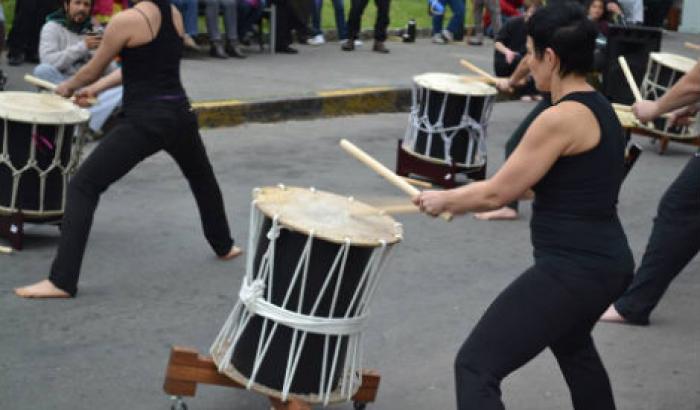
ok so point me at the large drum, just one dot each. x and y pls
(448, 120)
(41, 145)
(663, 71)
(313, 267)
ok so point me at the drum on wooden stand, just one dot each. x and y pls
(313, 266)
(663, 71)
(41, 140)
(447, 129)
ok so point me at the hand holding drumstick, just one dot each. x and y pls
(84, 98)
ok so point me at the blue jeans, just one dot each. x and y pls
(456, 24)
(188, 8)
(107, 101)
(339, 10)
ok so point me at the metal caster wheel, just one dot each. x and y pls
(178, 403)
(359, 405)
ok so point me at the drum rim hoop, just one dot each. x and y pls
(488, 91)
(300, 228)
(14, 112)
(671, 60)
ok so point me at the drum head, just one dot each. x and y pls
(331, 217)
(453, 84)
(673, 61)
(40, 108)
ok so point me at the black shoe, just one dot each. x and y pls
(348, 45)
(217, 50)
(379, 47)
(287, 50)
(15, 58)
(233, 50)
(32, 58)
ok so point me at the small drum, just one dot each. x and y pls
(312, 269)
(448, 120)
(663, 71)
(41, 145)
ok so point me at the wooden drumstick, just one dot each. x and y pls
(383, 171)
(6, 249)
(50, 86)
(630, 78)
(488, 77)
(628, 108)
(692, 46)
(417, 182)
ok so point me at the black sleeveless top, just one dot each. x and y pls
(151, 71)
(575, 222)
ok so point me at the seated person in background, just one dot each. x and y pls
(510, 45)
(598, 15)
(66, 43)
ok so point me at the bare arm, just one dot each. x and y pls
(501, 47)
(545, 141)
(683, 93)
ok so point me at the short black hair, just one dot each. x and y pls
(566, 29)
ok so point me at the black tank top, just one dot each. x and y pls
(575, 209)
(151, 71)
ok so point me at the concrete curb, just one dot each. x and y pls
(335, 103)
(226, 113)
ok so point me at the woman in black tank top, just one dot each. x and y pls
(572, 156)
(156, 116)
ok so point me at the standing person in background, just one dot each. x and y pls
(380, 24)
(495, 9)
(292, 15)
(23, 41)
(341, 28)
(454, 27)
(190, 14)
(218, 48)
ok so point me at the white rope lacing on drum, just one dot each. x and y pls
(55, 148)
(255, 298)
(419, 120)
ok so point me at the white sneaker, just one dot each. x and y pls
(447, 35)
(358, 43)
(317, 40)
(438, 39)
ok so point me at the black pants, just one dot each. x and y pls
(30, 16)
(380, 24)
(540, 309)
(674, 241)
(519, 132)
(141, 133)
(291, 15)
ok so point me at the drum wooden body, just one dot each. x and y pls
(314, 265)
(663, 71)
(448, 120)
(40, 147)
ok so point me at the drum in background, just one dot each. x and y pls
(663, 71)
(448, 120)
(312, 269)
(40, 148)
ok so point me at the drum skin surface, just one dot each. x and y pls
(331, 217)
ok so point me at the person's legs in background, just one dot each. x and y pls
(230, 8)
(357, 7)
(316, 33)
(380, 26)
(211, 11)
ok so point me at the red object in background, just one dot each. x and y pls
(509, 8)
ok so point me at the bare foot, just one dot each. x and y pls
(501, 214)
(235, 251)
(43, 289)
(612, 316)
(292, 404)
